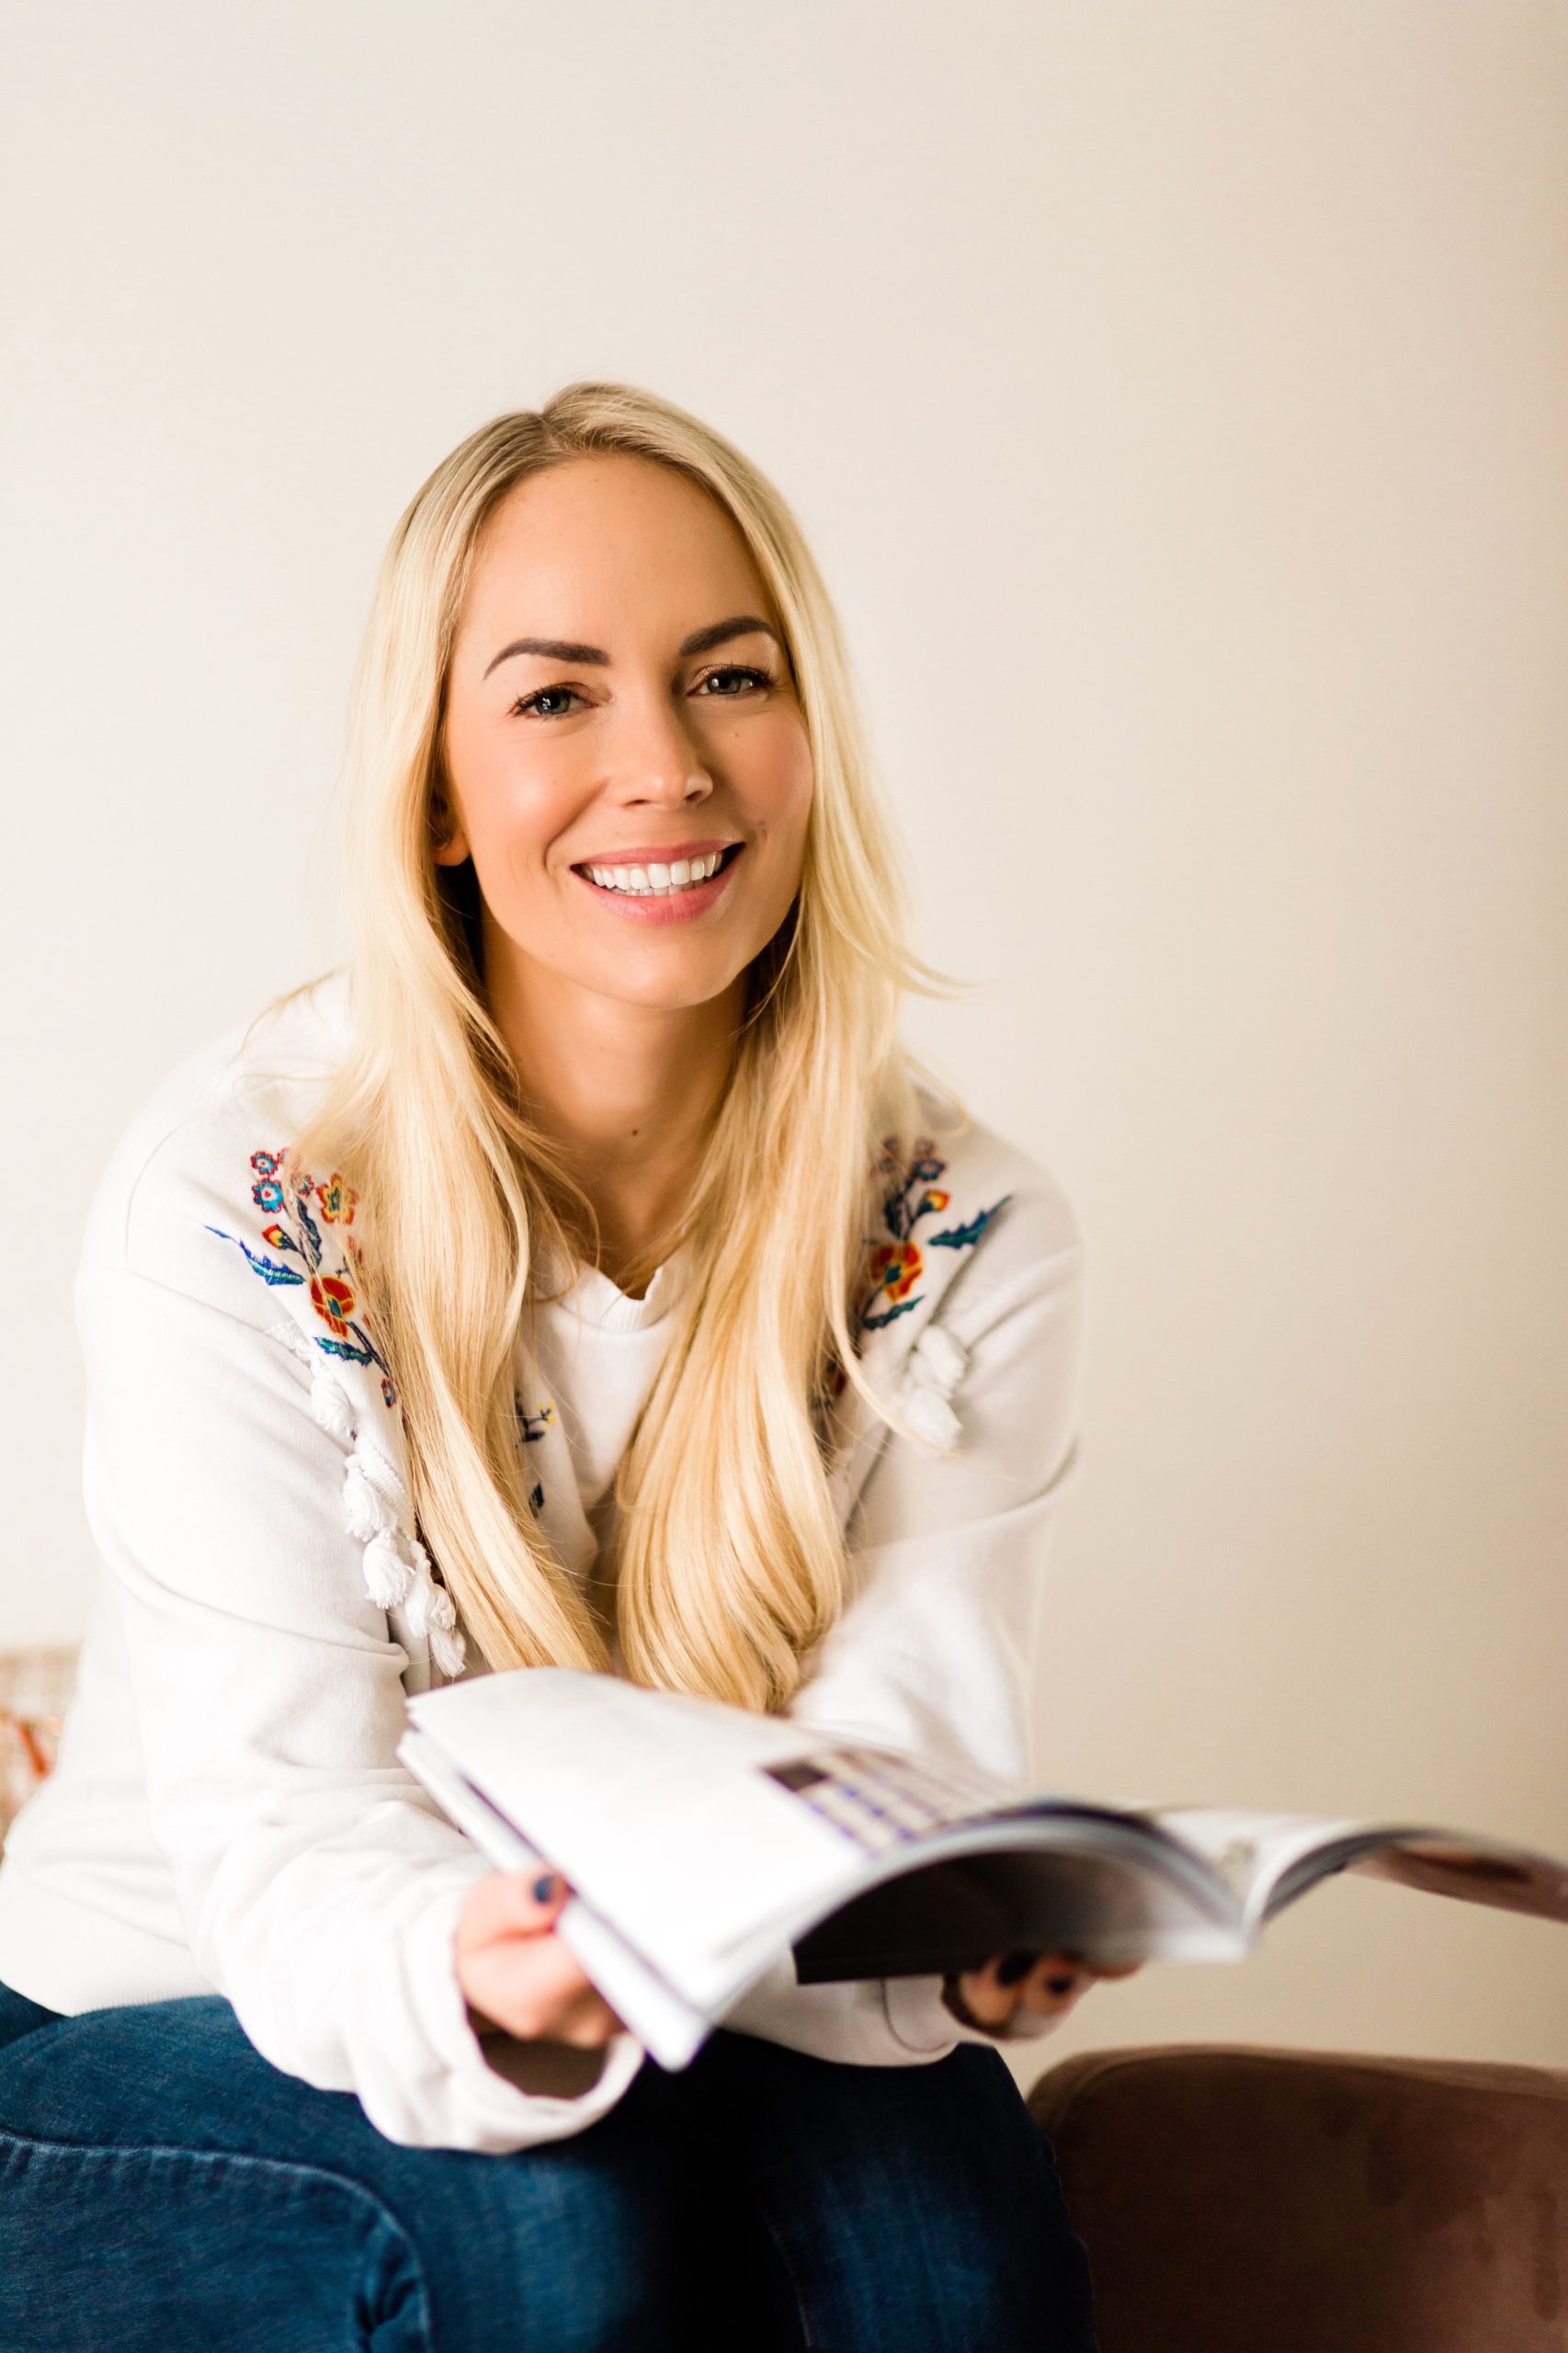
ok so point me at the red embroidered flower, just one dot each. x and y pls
(336, 1200)
(334, 1301)
(894, 1267)
(933, 1200)
(276, 1235)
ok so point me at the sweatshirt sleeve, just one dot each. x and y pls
(935, 1653)
(319, 1886)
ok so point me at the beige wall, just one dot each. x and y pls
(1175, 395)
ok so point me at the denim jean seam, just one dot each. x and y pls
(275, 2169)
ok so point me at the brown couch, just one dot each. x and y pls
(1292, 2202)
(1241, 2202)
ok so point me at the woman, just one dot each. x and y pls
(587, 1276)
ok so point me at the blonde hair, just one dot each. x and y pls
(728, 1560)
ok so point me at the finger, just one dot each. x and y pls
(509, 1903)
(989, 2001)
(544, 1987)
(1053, 1984)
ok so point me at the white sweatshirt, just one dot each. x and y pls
(228, 1813)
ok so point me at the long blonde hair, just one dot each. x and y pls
(728, 1560)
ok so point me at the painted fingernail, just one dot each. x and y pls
(545, 1887)
(1060, 1985)
(1014, 1965)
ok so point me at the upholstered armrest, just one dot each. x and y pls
(1243, 2201)
(34, 1688)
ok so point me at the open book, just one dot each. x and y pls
(701, 1841)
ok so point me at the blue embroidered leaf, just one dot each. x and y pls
(959, 1237)
(344, 1349)
(313, 1231)
(875, 1323)
(268, 1268)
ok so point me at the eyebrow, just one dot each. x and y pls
(701, 641)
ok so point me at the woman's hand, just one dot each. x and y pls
(517, 1975)
(1015, 1986)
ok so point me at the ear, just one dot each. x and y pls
(448, 843)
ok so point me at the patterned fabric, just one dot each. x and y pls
(896, 1264)
(34, 1688)
(303, 1256)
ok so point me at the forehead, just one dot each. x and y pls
(607, 539)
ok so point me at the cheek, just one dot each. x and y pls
(779, 778)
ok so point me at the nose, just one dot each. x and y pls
(660, 762)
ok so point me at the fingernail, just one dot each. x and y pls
(1014, 1965)
(545, 1887)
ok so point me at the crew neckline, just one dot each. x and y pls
(597, 1299)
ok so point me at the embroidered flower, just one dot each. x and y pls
(269, 1194)
(894, 1267)
(265, 1162)
(335, 1200)
(334, 1301)
(276, 1237)
(389, 1395)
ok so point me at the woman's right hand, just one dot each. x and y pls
(517, 1975)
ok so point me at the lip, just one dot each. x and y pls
(676, 906)
(665, 853)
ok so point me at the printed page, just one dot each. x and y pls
(1270, 1859)
(1254, 1854)
(692, 1827)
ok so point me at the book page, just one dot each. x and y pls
(692, 1826)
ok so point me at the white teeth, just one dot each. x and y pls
(656, 881)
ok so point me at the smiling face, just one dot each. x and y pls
(618, 698)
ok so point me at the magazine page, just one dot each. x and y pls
(1257, 1855)
(1270, 1859)
(661, 2019)
(699, 1832)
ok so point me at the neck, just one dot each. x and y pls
(627, 1093)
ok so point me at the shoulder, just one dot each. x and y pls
(967, 1213)
(196, 1163)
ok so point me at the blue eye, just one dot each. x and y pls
(529, 705)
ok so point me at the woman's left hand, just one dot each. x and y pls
(1015, 1989)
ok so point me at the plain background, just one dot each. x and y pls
(1175, 398)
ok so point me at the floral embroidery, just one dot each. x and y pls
(335, 1200)
(300, 1257)
(893, 1267)
(533, 1428)
(334, 1301)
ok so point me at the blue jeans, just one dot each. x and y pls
(165, 2190)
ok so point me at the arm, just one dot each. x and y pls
(935, 1653)
(319, 1887)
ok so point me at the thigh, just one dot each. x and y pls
(19, 2015)
(911, 2208)
(162, 2186)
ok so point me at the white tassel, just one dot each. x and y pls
(449, 1651)
(936, 1361)
(329, 1403)
(941, 1357)
(387, 1573)
(930, 1416)
(362, 1512)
